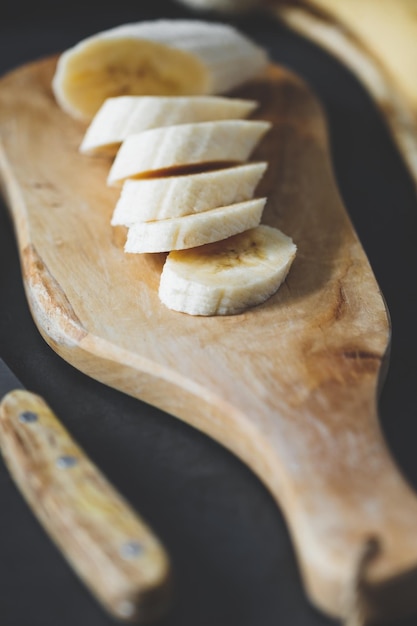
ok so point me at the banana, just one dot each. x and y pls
(228, 276)
(160, 57)
(386, 30)
(377, 41)
(122, 116)
(198, 229)
(175, 196)
(166, 150)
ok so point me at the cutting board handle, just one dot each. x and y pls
(350, 511)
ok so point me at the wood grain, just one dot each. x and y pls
(110, 547)
(290, 386)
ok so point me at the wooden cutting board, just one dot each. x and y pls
(290, 386)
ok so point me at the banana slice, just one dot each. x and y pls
(161, 57)
(194, 230)
(175, 196)
(122, 116)
(158, 150)
(228, 276)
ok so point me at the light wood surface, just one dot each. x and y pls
(110, 547)
(290, 386)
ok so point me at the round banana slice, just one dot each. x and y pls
(151, 199)
(122, 116)
(160, 57)
(229, 276)
(159, 150)
(194, 230)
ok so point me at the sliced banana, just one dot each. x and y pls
(160, 57)
(228, 276)
(158, 150)
(122, 116)
(175, 196)
(194, 230)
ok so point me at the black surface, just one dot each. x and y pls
(233, 561)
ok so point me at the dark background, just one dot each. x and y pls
(232, 557)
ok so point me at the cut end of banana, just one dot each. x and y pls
(161, 57)
(102, 68)
(229, 276)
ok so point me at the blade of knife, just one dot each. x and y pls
(106, 542)
(8, 380)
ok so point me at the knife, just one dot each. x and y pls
(113, 551)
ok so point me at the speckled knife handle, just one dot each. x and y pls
(112, 550)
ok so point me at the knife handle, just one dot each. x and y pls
(111, 549)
